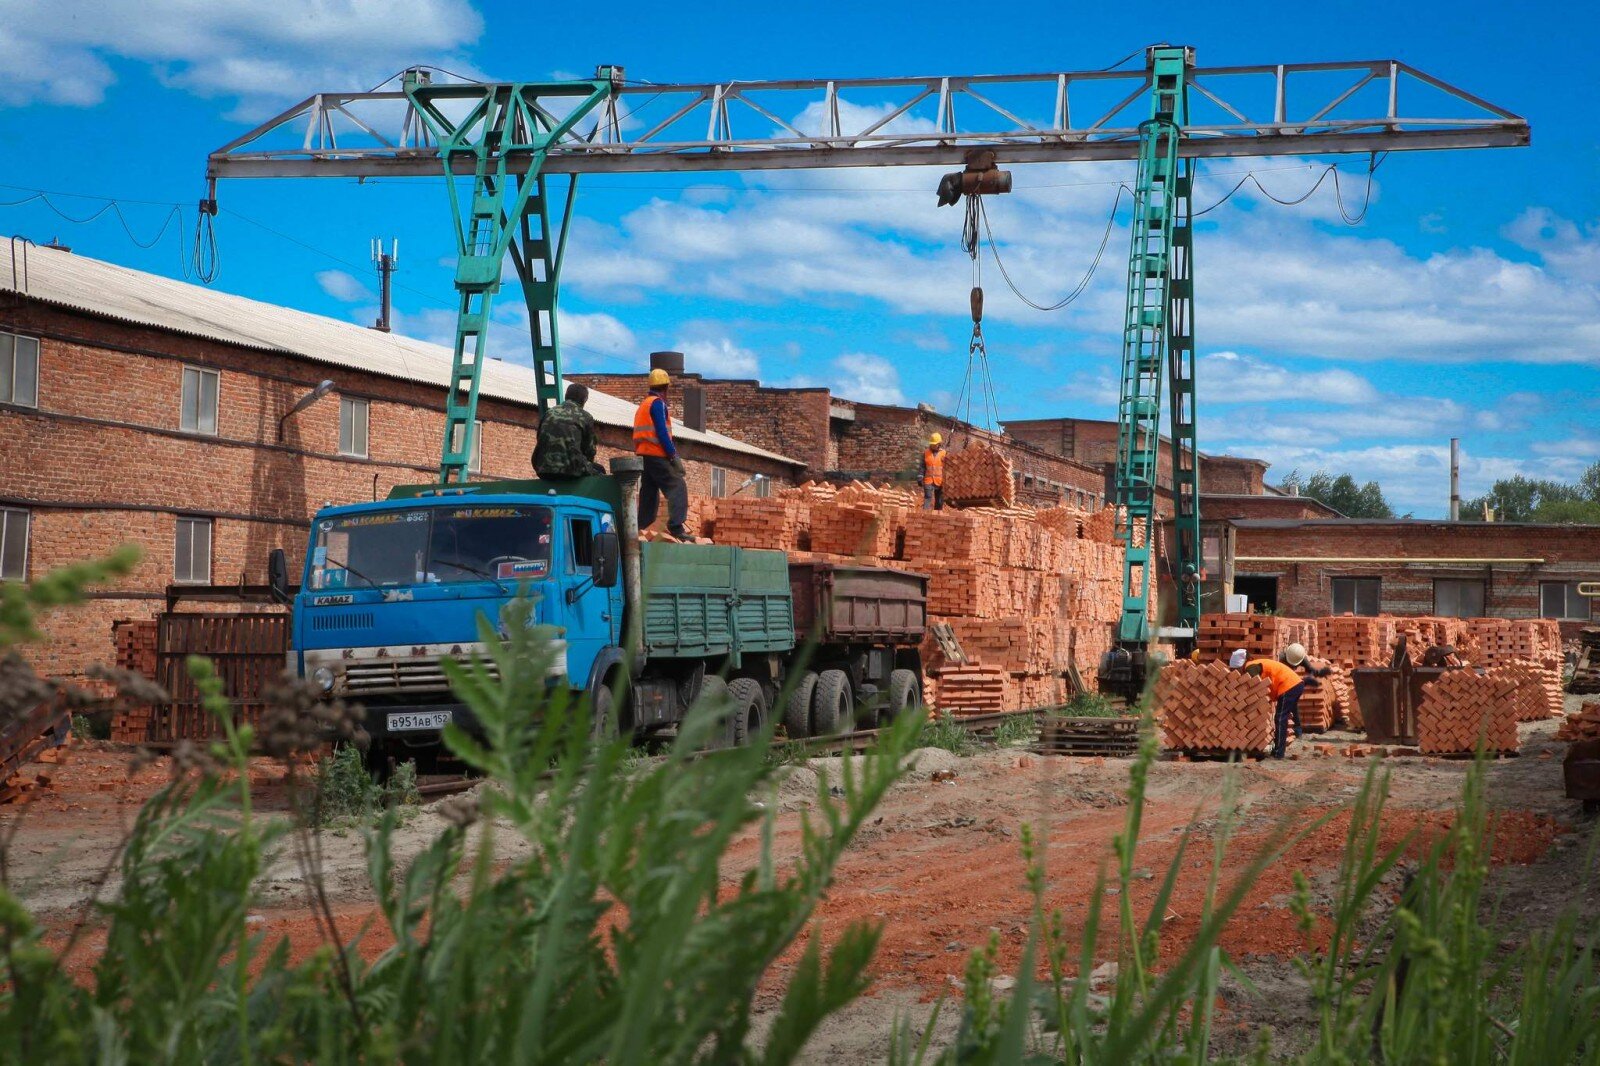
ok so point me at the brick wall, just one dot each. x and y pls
(1094, 441)
(1288, 552)
(1227, 507)
(102, 460)
(1232, 474)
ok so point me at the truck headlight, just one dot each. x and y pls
(323, 677)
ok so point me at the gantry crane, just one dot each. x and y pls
(509, 138)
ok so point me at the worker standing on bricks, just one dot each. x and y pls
(933, 474)
(1285, 685)
(663, 466)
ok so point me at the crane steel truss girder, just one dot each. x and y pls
(1300, 108)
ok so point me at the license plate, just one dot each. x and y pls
(412, 721)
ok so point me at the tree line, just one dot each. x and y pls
(1515, 499)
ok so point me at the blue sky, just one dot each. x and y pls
(1467, 302)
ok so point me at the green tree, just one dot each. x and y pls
(1525, 499)
(1341, 493)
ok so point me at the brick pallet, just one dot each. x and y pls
(1116, 738)
(979, 474)
(1207, 708)
(1351, 641)
(1464, 706)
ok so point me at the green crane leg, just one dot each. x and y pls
(1186, 545)
(502, 124)
(1147, 333)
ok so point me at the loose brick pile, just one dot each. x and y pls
(1463, 706)
(1582, 724)
(1207, 708)
(979, 475)
(135, 643)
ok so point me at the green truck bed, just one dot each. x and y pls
(709, 600)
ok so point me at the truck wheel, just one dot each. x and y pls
(714, 694)
(797, 712)
(832, 708)
(749, 709)
(605, 709)
(904, 695)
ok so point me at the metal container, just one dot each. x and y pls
(839, 603)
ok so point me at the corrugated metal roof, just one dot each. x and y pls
(101, 288)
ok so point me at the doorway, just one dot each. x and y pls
(1260, 589)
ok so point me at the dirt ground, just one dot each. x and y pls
(940, 866)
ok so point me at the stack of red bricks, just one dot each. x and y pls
(1464, 707)
(1301, 631)
(1205, 708)
(135, 643)
(1538, 695)
(973, 688)
(756, 522)
(861, 520)
(1582, 724)
(1323, 707)
(1222, 634)
(979, 475)
(1351, 641)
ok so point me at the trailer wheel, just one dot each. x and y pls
(714, 693)
(797, 712)
(832, 707)
(749, 709)
(904, 694)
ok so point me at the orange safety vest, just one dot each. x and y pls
(645, 441)
(1280, 678)
(933, 467)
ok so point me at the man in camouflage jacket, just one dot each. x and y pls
(566, 445)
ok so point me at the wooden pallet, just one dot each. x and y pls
(1114, 737)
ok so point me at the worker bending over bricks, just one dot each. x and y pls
(1286, 686)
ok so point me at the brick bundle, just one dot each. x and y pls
(1221, 634)
(1538, 694)
(1463, 707)
(1301, 631)
(1352, 641)
(135, 643)
(1207, 708)
(861, 520)
(979, 475)
(1582, 724)
(973, 689)
(1323, 707)
(756, 522)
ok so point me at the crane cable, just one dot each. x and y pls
(978, 376)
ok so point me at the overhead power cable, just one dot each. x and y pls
(1088, 275)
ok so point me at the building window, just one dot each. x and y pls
(199, 413)
(1559, 599)
(475, 460)
(763, 486)
(352, 427)
(13, 544)
(1454, 598)
(719, 482)
(1356, 595)
(19, 370)
(191, 563)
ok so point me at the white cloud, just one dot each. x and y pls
(1228, 377)
(717, 356)
(56, 53)
(1415, 478)
(598, 334)
(346, 288)
(868, 378)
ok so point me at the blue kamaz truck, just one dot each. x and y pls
(391, 587)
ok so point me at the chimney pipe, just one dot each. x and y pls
(1455, 479)
(385, 262)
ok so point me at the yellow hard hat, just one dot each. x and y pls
(659, 377)
(936, 439)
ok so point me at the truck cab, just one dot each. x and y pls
(390, 588)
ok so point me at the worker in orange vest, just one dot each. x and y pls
(663, 466)
(933, 474)
(1285, 685)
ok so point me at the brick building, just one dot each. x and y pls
(840, 439)
(1408, 567)
(139, 408)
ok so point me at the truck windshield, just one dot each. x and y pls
(430, 546)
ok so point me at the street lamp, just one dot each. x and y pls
(303, 402)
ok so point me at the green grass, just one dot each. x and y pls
(1092, 705)
(942, 731)
(1016, 729)
(344, 793)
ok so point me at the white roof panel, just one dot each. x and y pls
(102, 288)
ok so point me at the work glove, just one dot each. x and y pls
(678, 467)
